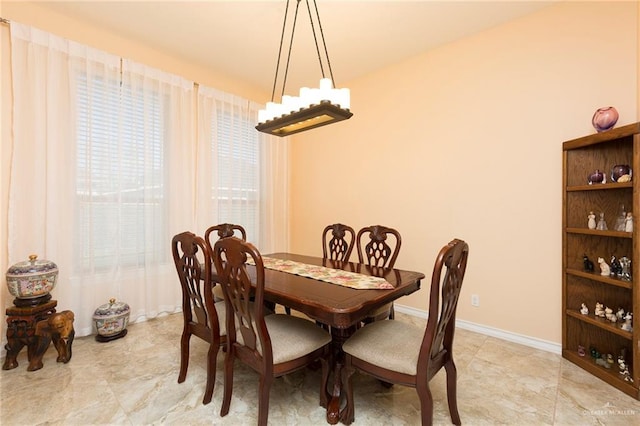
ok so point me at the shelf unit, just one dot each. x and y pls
(580, 158)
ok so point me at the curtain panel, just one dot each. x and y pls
(242, 174)
(101, 157)
(110, 158)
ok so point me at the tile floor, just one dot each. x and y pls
(133, 381)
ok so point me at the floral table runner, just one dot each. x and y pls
(329, 275)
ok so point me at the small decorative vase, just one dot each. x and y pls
(111, 320)
(596, 177)
(604, 118)
(31, 281)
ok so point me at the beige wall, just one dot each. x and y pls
(465, 141)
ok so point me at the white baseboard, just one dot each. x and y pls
(509, 336)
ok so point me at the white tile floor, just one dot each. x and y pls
(133, 381)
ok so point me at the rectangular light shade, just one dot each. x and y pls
(305, 119)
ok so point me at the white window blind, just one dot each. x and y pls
(235, 152)
(120, 174)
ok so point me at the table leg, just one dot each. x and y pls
(339, 336)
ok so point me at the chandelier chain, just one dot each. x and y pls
(284, 26)
(324, 43)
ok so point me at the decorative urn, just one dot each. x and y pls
(111, 320)
(604, 118)
(31, 281)
(621, 173)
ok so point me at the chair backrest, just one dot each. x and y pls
(443, 301)
(376, 251)
(224, 230)
(245, 300)
(338, 245)
(197, 284)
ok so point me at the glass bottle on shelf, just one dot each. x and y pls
(602, 224)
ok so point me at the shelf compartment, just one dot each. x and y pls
(611, 376)
(579, 204)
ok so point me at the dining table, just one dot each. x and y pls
(341, 307)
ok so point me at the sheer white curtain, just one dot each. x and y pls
(242, 174)
(101, 173)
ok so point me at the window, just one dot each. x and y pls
(236, 190)
(120, 175)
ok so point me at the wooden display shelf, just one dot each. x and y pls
(594, 276)
(612, 327)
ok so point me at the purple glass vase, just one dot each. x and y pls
(604, 118)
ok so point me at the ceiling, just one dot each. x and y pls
(241, 38)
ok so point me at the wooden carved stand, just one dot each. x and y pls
(21, 327)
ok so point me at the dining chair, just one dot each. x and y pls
(272, 345)
(376, 250)
(222, 230)
(406, 354)
(203, 317)
(337, 242)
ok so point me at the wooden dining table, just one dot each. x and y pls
(340, 308)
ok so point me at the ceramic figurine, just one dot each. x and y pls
(624, 369)
(626, 268)
(610, 360)
(608, 313)
(599, 311)
(620, 314)
(622, 215)
(584, 310)
(604, 268)
(602, 224)
(615, 267)
(588, 264)
(581, 350)
(591, 221)
(628, 222)
(627, 322)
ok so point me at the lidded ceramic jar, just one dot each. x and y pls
(111, 319)
(32, 278)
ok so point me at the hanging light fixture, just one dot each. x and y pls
(314, 107)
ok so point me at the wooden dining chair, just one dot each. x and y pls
(223, 230)
(272, 345)
(376, 250)
(203, 317)
(338, 241)
(406, 354)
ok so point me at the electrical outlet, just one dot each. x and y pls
(475, 300)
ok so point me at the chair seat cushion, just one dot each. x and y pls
(393, 345)
(222, 317)
(384, 309)
(293, 337)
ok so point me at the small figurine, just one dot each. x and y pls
(628, 222)
(610, 360)
(599, 311)
(581, 351)
(620, 219)
(626, 268)
(602, 224)
(608, 313)
(620, 314)
(584, 310)
(591, 221)
(616, 267)
(627, 322)
(624, 369)
(604, 268)
(588, 264)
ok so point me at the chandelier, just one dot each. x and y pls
(313, 107)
